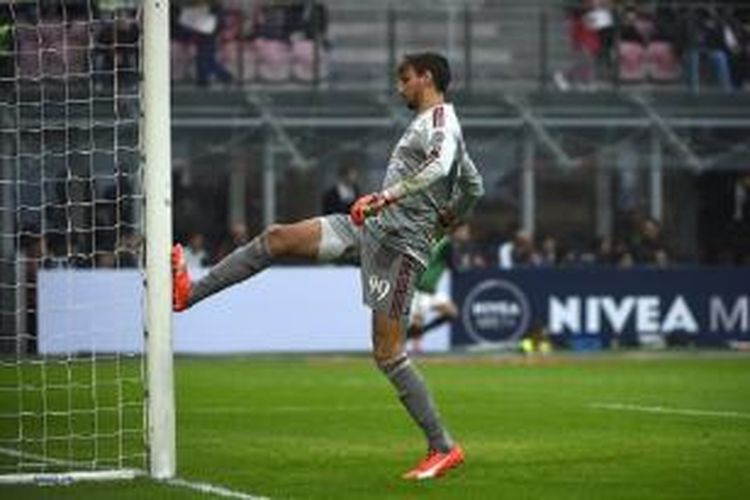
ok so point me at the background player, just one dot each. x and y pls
(430, 183)
(427, 299)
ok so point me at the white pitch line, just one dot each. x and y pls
(212, 489)
(670, 411)
(219, 410)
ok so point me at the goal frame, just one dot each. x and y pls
(156, 143)
(158, 190)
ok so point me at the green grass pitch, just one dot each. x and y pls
(331, 427)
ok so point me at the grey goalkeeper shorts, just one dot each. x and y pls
(388, 275)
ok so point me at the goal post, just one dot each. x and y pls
(86, 360)
(157, 152)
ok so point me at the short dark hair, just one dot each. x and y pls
(435, 63)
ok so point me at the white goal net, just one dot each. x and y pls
(72, 242)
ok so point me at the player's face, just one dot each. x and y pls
(410, 86)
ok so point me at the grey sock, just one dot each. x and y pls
(241, 264)
(416, 398)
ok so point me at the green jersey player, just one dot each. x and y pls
(428, 299)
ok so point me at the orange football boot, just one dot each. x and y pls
(180, 280)
(436, 463)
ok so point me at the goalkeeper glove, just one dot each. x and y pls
(367, 206)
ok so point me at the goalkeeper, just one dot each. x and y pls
(430, 183)
(427, 299)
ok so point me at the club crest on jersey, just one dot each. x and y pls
(379, 287)
(438, 117)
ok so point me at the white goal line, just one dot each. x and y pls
(61, 478)
(669, 411)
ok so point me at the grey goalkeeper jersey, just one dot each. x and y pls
(429, 171)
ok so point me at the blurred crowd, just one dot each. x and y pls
(75, 39)
(658, 41)
(641, 243)
(266, 40)
(211, 40)
(637, 239)
(234, 41)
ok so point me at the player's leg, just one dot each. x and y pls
(414, 331)
(443, 454)
(320, 238)
(445, 311)
(391, 358)
(388, 279)
(300, 240)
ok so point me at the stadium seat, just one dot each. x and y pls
(631, 58)
(273, 59)
(182, 55)
(249, 65)
(229, 43)
(239, 58)
(661, 62)
(303, 60)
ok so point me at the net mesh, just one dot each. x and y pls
(71, 367)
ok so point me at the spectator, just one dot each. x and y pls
(202, 20)
(516, 252)
(600, 18)
(714, 38)
(631, 50)
(740, 57)
(585, 44)
(634, 28)
(648, 247)
(741, 219)
(665, 49)
(196, 256)
(308, 27)
(741, 212)
(548, 254)
(339, 197)
(28, 43)
(272, 39)
(182, 49)
(233, 51)
(604, 253)
(238, 236)
(467, 254)
(118, 50)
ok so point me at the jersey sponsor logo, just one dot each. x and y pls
(379, 287)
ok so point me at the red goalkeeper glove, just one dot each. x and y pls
(367, 206)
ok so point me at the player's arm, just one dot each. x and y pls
(469, 189)
(441, 147)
